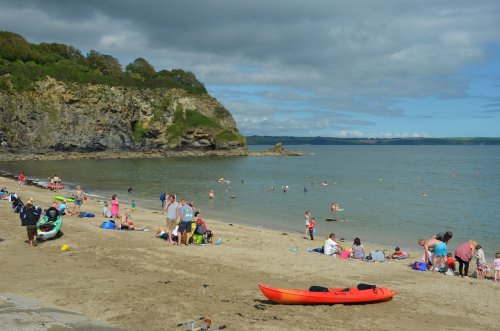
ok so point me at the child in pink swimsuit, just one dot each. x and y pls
(115, 207)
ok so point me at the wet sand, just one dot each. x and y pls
(134, 281)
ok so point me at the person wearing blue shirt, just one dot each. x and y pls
(186, 216)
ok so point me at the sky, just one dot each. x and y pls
(358, 68)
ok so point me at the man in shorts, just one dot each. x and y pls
(171, 209)
(439, 254)
(186, 215)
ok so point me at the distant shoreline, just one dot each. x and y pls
(290, 140)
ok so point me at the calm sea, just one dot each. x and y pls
(380, 188)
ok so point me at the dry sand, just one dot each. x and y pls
(134, 281)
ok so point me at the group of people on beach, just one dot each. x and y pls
(126, 222)
(438, 258)
(436, 254)
(183, 223)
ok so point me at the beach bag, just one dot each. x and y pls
(198, 239)
(344, 255)
(420, 266)
(200, 229)
(377, 256)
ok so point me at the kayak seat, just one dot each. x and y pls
(318, 289)
(362, 287)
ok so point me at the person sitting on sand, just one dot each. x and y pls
(63, 208)
(127, 224)
(440, 252)
(399, 254)
(357, 250)
(105, 211)
(331, 247)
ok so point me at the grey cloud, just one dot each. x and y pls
(358, 58)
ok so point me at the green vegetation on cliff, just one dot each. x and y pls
(26, 63)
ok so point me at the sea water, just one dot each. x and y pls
(392, 195)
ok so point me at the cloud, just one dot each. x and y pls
(356, 58)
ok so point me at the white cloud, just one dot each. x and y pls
(334, 58)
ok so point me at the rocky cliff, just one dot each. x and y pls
(65, 116)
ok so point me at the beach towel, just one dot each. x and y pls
(375, 256)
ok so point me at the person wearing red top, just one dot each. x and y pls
(312, 223)
(464, 254)
(450, 262)
(22, 180)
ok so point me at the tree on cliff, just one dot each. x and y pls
(107, 64)
(141, 67)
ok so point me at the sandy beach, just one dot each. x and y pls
(134, 281)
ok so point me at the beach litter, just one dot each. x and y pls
(64, 247)
(206, 324)
(218, 241)
(294, 249)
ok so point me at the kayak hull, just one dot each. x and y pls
(45, 235)
(333, 296)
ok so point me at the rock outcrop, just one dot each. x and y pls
(70, 117)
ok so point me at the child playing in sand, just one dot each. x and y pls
(496, 267)
(105, 211)
(482, 267)
(450, 263)
(399, 254)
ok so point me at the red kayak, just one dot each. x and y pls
(320, 295)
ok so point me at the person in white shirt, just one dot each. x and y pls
(331, 247)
